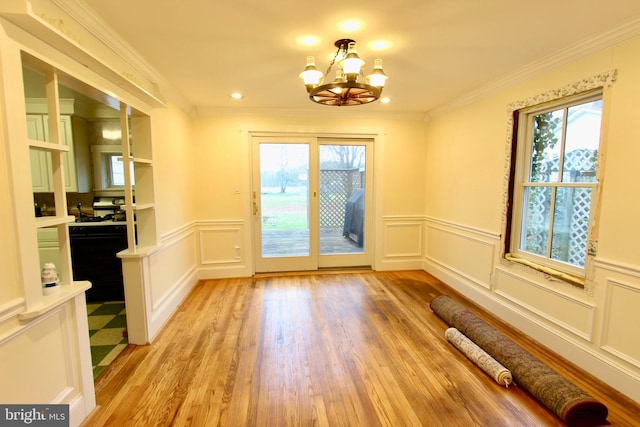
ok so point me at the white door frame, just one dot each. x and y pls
(373, 196)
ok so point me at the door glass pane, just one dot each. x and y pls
(284, 199)
(342, 184)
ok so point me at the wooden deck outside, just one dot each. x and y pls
(296, 242)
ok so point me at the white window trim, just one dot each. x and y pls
(102, 170)
(523, 164)
(603, 82)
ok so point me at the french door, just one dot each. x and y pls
(311, 202)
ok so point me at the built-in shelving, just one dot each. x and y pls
(137, 207)
(50, 302)
(142, 161)
(142, 211)
(50, 221)
(48, 146)
(138, 160)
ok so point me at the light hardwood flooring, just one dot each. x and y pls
(332, 349)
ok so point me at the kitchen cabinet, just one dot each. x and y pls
(41, 166)
(48, 246)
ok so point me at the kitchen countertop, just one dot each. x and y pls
(96, 224)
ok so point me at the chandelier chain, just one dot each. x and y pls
(333, 61)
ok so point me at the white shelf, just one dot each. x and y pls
(50, 221)
(49, 302)
(141, 161)
(138, 160)
(139, 252)
(138, 206)
(48, 146)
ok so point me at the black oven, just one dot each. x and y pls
(93, 256)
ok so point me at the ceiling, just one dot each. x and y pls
(438, 50)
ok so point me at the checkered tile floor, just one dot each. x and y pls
(107, 326)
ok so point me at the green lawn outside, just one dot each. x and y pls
(284, 211)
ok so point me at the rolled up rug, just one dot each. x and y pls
(481, 358)
(569, 402)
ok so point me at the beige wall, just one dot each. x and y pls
(223, 162)
(620, 210)
(173, 157)
(465, 164)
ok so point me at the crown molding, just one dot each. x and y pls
(91, 22)
(589, 46)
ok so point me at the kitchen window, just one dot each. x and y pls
(554, 184)
(109, 173)
(116, 170)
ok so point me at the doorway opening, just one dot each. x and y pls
(84, 245)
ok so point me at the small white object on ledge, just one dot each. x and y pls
(50, 279)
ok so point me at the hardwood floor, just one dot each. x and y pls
(333, 349)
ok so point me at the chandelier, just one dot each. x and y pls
(350, 87)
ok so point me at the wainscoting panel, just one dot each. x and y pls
(223, 249)
(622, 317)
(462, 251)
(37, 360)
(564, 311)
(173, 272)
(171, 265)
(220, 245)
(401, 243)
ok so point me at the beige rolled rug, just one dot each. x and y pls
(481, 358)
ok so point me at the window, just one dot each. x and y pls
(554, 183)
(116, 170)
(109, 167)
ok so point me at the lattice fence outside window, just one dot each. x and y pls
(571, 209)
(336, 186)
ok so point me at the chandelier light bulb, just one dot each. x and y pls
(377, 77)
(352, 62)
(311, 75)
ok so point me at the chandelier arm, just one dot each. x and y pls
(333, 61)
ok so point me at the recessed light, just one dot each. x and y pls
(385, 100)
(379, 45)
(236, 95)
(350, 25)
(308, 40)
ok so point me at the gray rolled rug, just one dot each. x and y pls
(570, 403)
(481, 358)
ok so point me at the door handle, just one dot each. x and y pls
(255, 204)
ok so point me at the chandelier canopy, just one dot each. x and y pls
(349, 87)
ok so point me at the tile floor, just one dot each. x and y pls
(107, 325)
